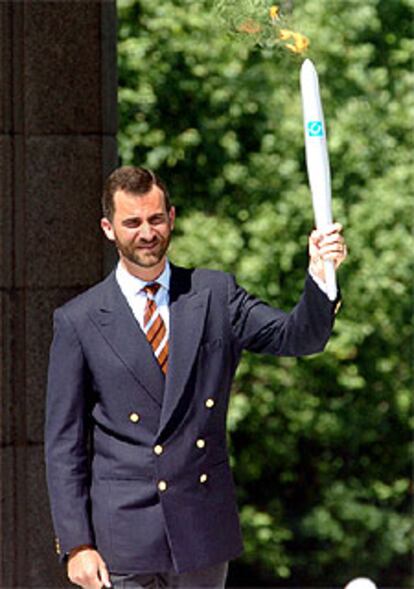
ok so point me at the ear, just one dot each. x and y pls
(171, 215)
(107, 228)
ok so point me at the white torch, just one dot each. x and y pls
(317, 159)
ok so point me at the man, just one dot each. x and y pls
(143, 363)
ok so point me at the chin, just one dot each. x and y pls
(149, 262)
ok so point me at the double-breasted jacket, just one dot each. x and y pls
(137, 464)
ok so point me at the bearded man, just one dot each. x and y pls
(140, 372)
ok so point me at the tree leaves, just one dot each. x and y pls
(322, 446)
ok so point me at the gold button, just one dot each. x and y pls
(210, 403)
(200, 443)
(337, 307)
(203, 478)
(158, 449)
(134, 417)
(162, 486)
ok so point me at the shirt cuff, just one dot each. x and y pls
(320, 283)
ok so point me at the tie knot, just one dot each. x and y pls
(152, 289)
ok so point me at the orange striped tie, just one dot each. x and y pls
(154, 327)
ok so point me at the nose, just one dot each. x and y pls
(146, 231)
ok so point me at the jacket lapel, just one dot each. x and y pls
(117, 324)
(187, 317)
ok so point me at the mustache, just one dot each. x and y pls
(146, 242)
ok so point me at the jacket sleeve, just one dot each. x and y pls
(260, 328)
(66, 435)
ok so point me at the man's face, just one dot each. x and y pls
(141, 227)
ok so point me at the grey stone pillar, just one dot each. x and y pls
(57, 143)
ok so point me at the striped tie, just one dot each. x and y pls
(154, 327)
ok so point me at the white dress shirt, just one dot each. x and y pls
(321, 284)
(131, 287)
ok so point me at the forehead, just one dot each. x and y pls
(128, 204)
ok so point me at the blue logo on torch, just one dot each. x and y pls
(315, 129)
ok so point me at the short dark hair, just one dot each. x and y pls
(131, 179)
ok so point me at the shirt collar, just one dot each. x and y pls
(131, 284)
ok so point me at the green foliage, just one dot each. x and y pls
(321, 446)
(251, 21)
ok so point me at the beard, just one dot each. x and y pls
(139, 255)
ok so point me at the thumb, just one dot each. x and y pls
(316, 235)
(104, 574)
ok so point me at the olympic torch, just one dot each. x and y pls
(317, 159)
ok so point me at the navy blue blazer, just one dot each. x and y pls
(137, 465)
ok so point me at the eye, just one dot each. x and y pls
(157, 219)
(131, 223)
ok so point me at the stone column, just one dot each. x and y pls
(57, 143)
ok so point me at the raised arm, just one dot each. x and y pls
(304, 330)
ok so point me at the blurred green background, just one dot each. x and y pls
(321, 446)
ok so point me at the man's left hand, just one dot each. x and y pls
(324, 245)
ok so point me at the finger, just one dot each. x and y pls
(88, 578)
(327, 234)
(332, 228)
(95, 583)
(333, 241)
(104, 575)
(332, 256)
(335, 246)
(315, 236)
(332, 238)
(336, 256)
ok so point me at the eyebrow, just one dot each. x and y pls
(135, 219)
(130, 219)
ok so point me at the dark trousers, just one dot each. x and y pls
(213, 577)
